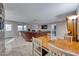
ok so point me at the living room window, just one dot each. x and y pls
(22, 27)
(8, 27)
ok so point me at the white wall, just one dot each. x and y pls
(14, 31)
(77, 11)
(2, 40)
(61, 29)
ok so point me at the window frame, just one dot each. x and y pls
(8, 27)
(23, 28)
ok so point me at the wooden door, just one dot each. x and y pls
(70, 27)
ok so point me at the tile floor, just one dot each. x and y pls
(18, 47)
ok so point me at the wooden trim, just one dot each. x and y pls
(76, 29)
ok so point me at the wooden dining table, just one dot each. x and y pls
(64, 44)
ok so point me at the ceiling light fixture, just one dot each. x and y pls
(73, 17)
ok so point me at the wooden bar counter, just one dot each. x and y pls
(65, 45)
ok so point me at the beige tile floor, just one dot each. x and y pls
(18, 47)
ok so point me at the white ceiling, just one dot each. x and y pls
(40, 13)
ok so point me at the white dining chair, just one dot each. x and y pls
(67, 37)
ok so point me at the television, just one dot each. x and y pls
(44, 26)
